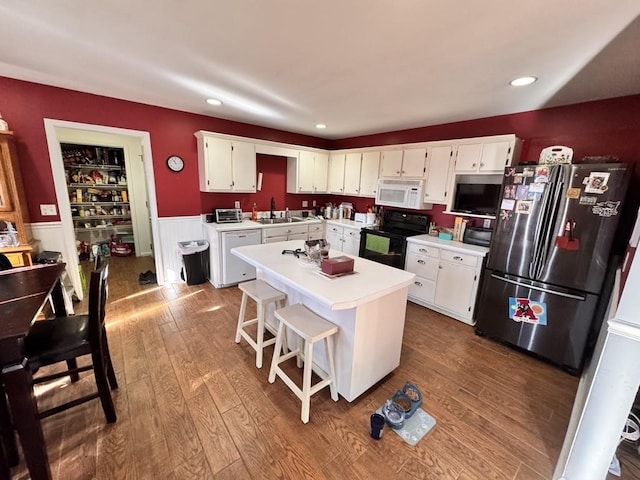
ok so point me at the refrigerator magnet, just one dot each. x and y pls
(509, 192)
(534, 196)
(507, 204)
(587, 200)
(606, 209)
(506, 214)
(510, 172)
(521, 192)
(542, 175)
(573, 193)
(597, 182)
(517, 178)
(524, 207)
(528, 311)
(536, 187)
(527, 172)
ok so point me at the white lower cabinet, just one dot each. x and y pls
(343, 238)
(446, 278)
(316, 231)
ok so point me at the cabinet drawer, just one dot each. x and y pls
(351, 232)
(316, 229)
(427, 250)
(459, 258)
(297, 229)
(423, 266)
(423, 289)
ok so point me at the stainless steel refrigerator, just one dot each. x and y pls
(549, 256)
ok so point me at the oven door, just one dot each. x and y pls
(383, 247)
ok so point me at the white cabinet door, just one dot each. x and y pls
(351, 241)
(468, 157)
(423, 266)
(423, 289)
(413, 161)
(438, 169)
(495, 156)
(336, 173)
(305, 172)
(316, 231)
(320, 172)
(219, 171)
(455, 287)
(369, 173)
(391, 163)
(244, 167)
(334, 237)
(352, 174)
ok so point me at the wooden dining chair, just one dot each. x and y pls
(62, 339)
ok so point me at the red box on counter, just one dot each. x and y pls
(337, 265)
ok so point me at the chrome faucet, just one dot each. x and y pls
(273, 208)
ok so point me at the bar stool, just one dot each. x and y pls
(312, 329)
(263, 294)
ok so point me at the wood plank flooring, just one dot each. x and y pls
(192, 405)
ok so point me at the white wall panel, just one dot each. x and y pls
(173, 230)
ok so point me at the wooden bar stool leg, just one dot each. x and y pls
(243, 309)
(333, 387)
(306, 381)
(276, 353)
(260, 334)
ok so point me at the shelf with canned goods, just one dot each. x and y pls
(92, 166)
(103, 204)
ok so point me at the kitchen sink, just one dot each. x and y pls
(272, 221)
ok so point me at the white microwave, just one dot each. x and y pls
(401, 194)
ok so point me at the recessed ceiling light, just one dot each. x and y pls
(522, 81)
(321, 125)
(213, 101)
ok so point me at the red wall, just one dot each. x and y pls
(607, 127)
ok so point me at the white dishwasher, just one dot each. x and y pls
(235, 270)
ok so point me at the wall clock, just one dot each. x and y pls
(175, 163)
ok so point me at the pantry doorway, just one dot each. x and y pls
(136, 149)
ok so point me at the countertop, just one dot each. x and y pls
(249, 224)
(449, 245)
(371, 280)
(348, 223)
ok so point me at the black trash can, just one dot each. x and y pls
(195, 261)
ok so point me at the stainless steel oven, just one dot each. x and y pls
(388, 243)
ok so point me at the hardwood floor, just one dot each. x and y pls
(191, 403)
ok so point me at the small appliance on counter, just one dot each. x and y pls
(228, 215)
(477, 236)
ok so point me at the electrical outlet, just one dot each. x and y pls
(48, 210)
(237, 204)
(305, 204)
(486, 223)
(314, 203)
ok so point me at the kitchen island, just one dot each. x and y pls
(368, 306)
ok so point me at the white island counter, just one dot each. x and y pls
(369, 307)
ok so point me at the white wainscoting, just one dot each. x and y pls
(172, 231)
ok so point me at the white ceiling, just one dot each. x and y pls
(360, 66)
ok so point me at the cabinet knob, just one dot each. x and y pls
(403, 171)
(440, 267)
(422, 250)
(458, 258)
(482, 164)
(417, 284)
(473, 164)
(421, 261)
(398, 171)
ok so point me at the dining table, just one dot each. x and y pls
(23, 294)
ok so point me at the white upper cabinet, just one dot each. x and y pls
(487, 155)
(352, 167)
(391, 163)
(403, 163)
(439, 170)
(336, 173)
(226, 165)
(413, 162)
(308, 173)
(369, 173)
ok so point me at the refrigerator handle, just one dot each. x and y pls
(541, 226)
(549, 236)
(539, 289)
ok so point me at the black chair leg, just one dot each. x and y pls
(8, 446)
(71, 364)
(5, 473)
(100, 373)
(111, 373)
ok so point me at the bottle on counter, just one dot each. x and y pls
(287, 213)
(254, 212)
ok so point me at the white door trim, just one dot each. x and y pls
(62, 194)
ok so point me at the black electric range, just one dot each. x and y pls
(388, 243)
